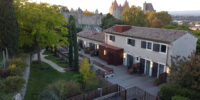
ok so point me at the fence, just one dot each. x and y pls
(97, 93)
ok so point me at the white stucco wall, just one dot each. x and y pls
(137, 51)
(185, 45)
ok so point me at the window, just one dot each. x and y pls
(143, 44)
(149, 45)
(131, 42)
(156, 47)
(161, 67)
(163, 48)
(112, 38)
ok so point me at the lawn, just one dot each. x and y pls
(58, 61)
(39, 79)
(47, 52)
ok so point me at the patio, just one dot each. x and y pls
(126, 80)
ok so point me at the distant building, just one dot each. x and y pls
(82, 19)
(116, 10)
(148, 7)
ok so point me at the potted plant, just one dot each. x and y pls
(92, 53)
(156, 82)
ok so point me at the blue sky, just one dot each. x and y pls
(104, 5)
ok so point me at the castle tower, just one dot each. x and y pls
(116, 9)
(148, 7)
(125, 5)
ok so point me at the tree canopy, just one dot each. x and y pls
(9, 32)
(135, 16)
(186, 72)
(40, 25)
(86, 12)
(109, 21)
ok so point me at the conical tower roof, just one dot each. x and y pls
(125, 5)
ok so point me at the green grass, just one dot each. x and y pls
(39, 79)
(55, 59)
(46, 52)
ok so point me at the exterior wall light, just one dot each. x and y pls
(167, 69)
(124, 55)
(97, 46)
(104, 52)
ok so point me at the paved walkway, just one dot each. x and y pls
(126, 80)
(52, 64)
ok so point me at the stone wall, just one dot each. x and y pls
(82, 19)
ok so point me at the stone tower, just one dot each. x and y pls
(148, 7)
(116, 10)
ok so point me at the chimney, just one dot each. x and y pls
(121, 28)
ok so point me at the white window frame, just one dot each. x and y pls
(151, 45)
(159, 63)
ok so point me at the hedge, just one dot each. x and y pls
(168, 91)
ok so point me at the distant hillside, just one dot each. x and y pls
(185, 13)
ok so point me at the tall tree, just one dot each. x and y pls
(135, 16)
(9, 30)
(164, 17)
(73, 48)
(156, 23)
(186, 72)
(109, 21)
(41, 25)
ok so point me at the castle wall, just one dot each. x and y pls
(84, 19)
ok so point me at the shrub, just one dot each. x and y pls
(4, 96)
(179, 98)
(73, 88)
(19, 63)
(168, 91)
(4, 73)
(15, 71)
(65, 89)
(13, 84)
(48, 95)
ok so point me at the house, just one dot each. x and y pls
(151, 48)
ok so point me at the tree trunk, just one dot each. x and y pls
(38, 53)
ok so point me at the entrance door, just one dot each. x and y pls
(155, 69)
(129, 61)
(142, 65)
(147, 67)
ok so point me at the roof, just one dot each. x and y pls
(96, 36)
(148, 7)
(154, 34)
(111, 47)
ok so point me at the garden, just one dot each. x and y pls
(45, 83)
(11, 80)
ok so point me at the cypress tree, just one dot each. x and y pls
(70, 27)
(9, 30)
(73, 47)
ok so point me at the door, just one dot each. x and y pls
(147, 67)
(142, 65)
(154, 69)
(129, 61)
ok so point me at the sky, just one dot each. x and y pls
(104, 5)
